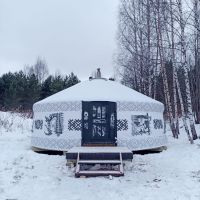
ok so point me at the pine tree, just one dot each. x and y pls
(46, 88)
(70, 80)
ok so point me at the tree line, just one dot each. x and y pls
(159, 56)
(20, 90)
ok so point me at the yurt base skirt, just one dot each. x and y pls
(66, 144)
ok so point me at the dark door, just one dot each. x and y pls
(99, 123)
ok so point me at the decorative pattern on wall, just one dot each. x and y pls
(158, 123)
(58, 106)
(54, 124)
(74, 124)
(38, 124)
(139, 106)
(140, 124)
(122, 125)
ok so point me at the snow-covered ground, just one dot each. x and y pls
(173, 174)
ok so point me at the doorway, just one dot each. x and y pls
(99, 123)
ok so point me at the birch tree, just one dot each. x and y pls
(196, 94)
(174, 63)
(163, 69)
(186, 70)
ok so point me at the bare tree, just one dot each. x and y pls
(40, 69)
(160, 30)
(196, 73)
(186, 69)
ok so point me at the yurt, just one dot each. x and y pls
(98, 112)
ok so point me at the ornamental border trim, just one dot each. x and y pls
(122, 106)
(58, 106)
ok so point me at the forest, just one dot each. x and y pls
(20, 90)
(159, 56)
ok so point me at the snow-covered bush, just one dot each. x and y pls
(12, 122)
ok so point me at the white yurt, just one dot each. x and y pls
(98, 112)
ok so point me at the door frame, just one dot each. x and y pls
(114, 135)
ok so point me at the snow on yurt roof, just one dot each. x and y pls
(98, 90)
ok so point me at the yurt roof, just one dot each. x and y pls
(98, 90)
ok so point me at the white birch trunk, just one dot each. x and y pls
(184, 117)
(175, 77)
(149, 48)
(197, 59)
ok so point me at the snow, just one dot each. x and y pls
(92, 91)
(173, 174)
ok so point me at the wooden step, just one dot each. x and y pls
(99, 173)
(99, 161)
(101, 153)
(111, 156)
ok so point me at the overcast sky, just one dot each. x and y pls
(72, 35)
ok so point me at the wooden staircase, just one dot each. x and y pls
(99, 161)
